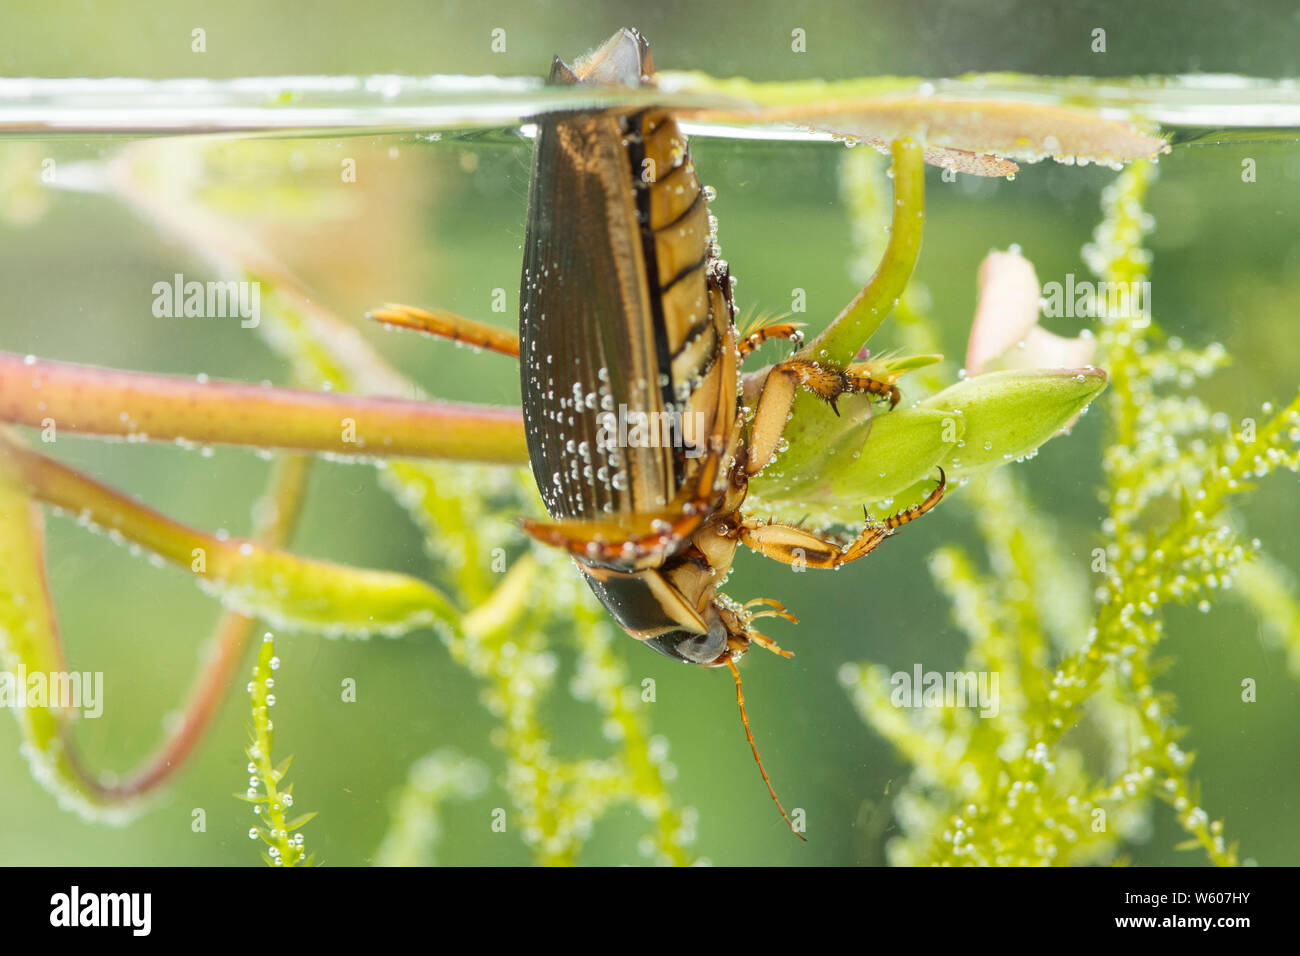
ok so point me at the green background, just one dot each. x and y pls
(442, 224)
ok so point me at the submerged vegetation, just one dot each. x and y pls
(1065, 772)
(270, 796)
(1029, 786)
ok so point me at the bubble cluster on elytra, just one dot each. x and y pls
(593, 474)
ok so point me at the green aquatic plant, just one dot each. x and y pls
(496, 610)
(1024, 785)
(433, 779)
(502, 618)
(267, 791)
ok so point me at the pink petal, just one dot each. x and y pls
(1007, 309)
(1042, 349)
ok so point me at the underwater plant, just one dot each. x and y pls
(1016, 787)
(280, 833)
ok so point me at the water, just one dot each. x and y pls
(434, 217)
(1191, 106)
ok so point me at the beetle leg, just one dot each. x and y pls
(829, 381)
(859, 375)
(449, 326)
(623, 544)
(778, 610)
(779, 330)
(824, 379)
(765, 642)
(800, 548)
(639, 540)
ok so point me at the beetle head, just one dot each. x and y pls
(724, 641)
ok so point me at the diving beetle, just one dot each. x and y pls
(627, 310)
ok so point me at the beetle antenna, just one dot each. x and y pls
(740, 699)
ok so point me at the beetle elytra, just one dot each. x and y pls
(627, 310)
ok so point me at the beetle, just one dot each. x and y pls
(627, 315)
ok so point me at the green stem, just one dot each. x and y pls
(284, 498)
(812, 430)
(845, 337)
(247, 576)
(285, 848)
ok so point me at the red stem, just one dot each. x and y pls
(84, 399)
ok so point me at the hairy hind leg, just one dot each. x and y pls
(776, 330)
(795, 546)
(449, 326)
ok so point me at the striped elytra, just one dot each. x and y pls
(617, 309)
(630, 373)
